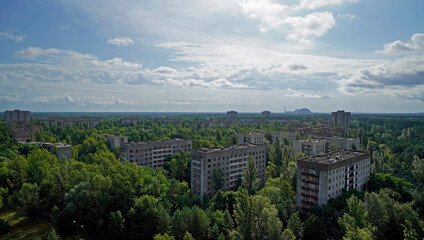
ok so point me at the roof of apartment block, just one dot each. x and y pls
(227, 148)
(335, 157)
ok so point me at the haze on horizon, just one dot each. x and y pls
(198, 55)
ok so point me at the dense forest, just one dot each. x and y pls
(95, 196)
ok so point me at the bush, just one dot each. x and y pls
(4, 227)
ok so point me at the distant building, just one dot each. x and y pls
(266, 114)
(17, 116)
(63, 149)
(302, 111)
(60, 149)
(341, 118)
(310, 147)
(114, 141)
(291, 136)
(255, 138)
(57, 121)
(231, 114)
(322, 177)
(318, 146)
(153, 154)
(232, 160)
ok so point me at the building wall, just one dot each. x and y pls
(341, 118)
(153, 154)
(232, 160)
(291, 136)
(64, 150)
(255, 138)
(17, 116)
(331, 178)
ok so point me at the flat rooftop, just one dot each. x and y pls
(334, 157)
(227, 148)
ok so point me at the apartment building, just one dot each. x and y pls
(17, 116)
(266, 114)
(321, 145)
(255, 138)
(322, 177)
(114, 141)
(291, 136)
(310, 146)
(60, 149)
(341, 118)
(232, 160)
(153, 154)
(231, 114)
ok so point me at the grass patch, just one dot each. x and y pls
(22, 227)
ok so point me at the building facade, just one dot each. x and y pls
(232, 160)
(291, 136)
(322, 145)
(114, 141)
(255, 138)
(266, 114)
(341, 118)
(153, 154)
(311, 146)
(322, 177)
(17, 116)
(231, 114)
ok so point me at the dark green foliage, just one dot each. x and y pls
(379, 181)
(4, 227)
(314, 228)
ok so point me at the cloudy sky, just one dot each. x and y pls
(203, 55)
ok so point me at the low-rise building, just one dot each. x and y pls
(153, 154)
(322, 177)
(348, 143)
(232, 160)
(255, 138)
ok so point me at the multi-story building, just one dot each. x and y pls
(114, 141)
(153, 154)
(291, 136)
(256, 138)
(322, 177)
(341, 118)
(231, 114)
(232, 160)
(53, 121)
(17, 116)
(322, 145)
(310, 146)
(266, 114)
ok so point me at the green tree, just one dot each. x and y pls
(295, 226)
(250, 181)
(218, 180)
(53, 235)
(288, 235)
(163, 237)
(354, 223)
(188, 236)
(314, 228)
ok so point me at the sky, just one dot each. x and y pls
(212, 56)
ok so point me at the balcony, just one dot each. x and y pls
(310, 181)
(310, 174)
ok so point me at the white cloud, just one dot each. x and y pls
(403, 77)
(53, 98)
(12, 35)
(120, 41)
(305, 29)
(348, 16)
(398, 47)
(69, 56)
(313, 4)
(299, 94)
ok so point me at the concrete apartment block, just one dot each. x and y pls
(153, 154)
(291, 136)
(341, 118)
(231, 114)
(114, 141)
(17, 116)
(318, 146)
(322, 177)
(232, 160)
(255, 138)
(266, 114)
